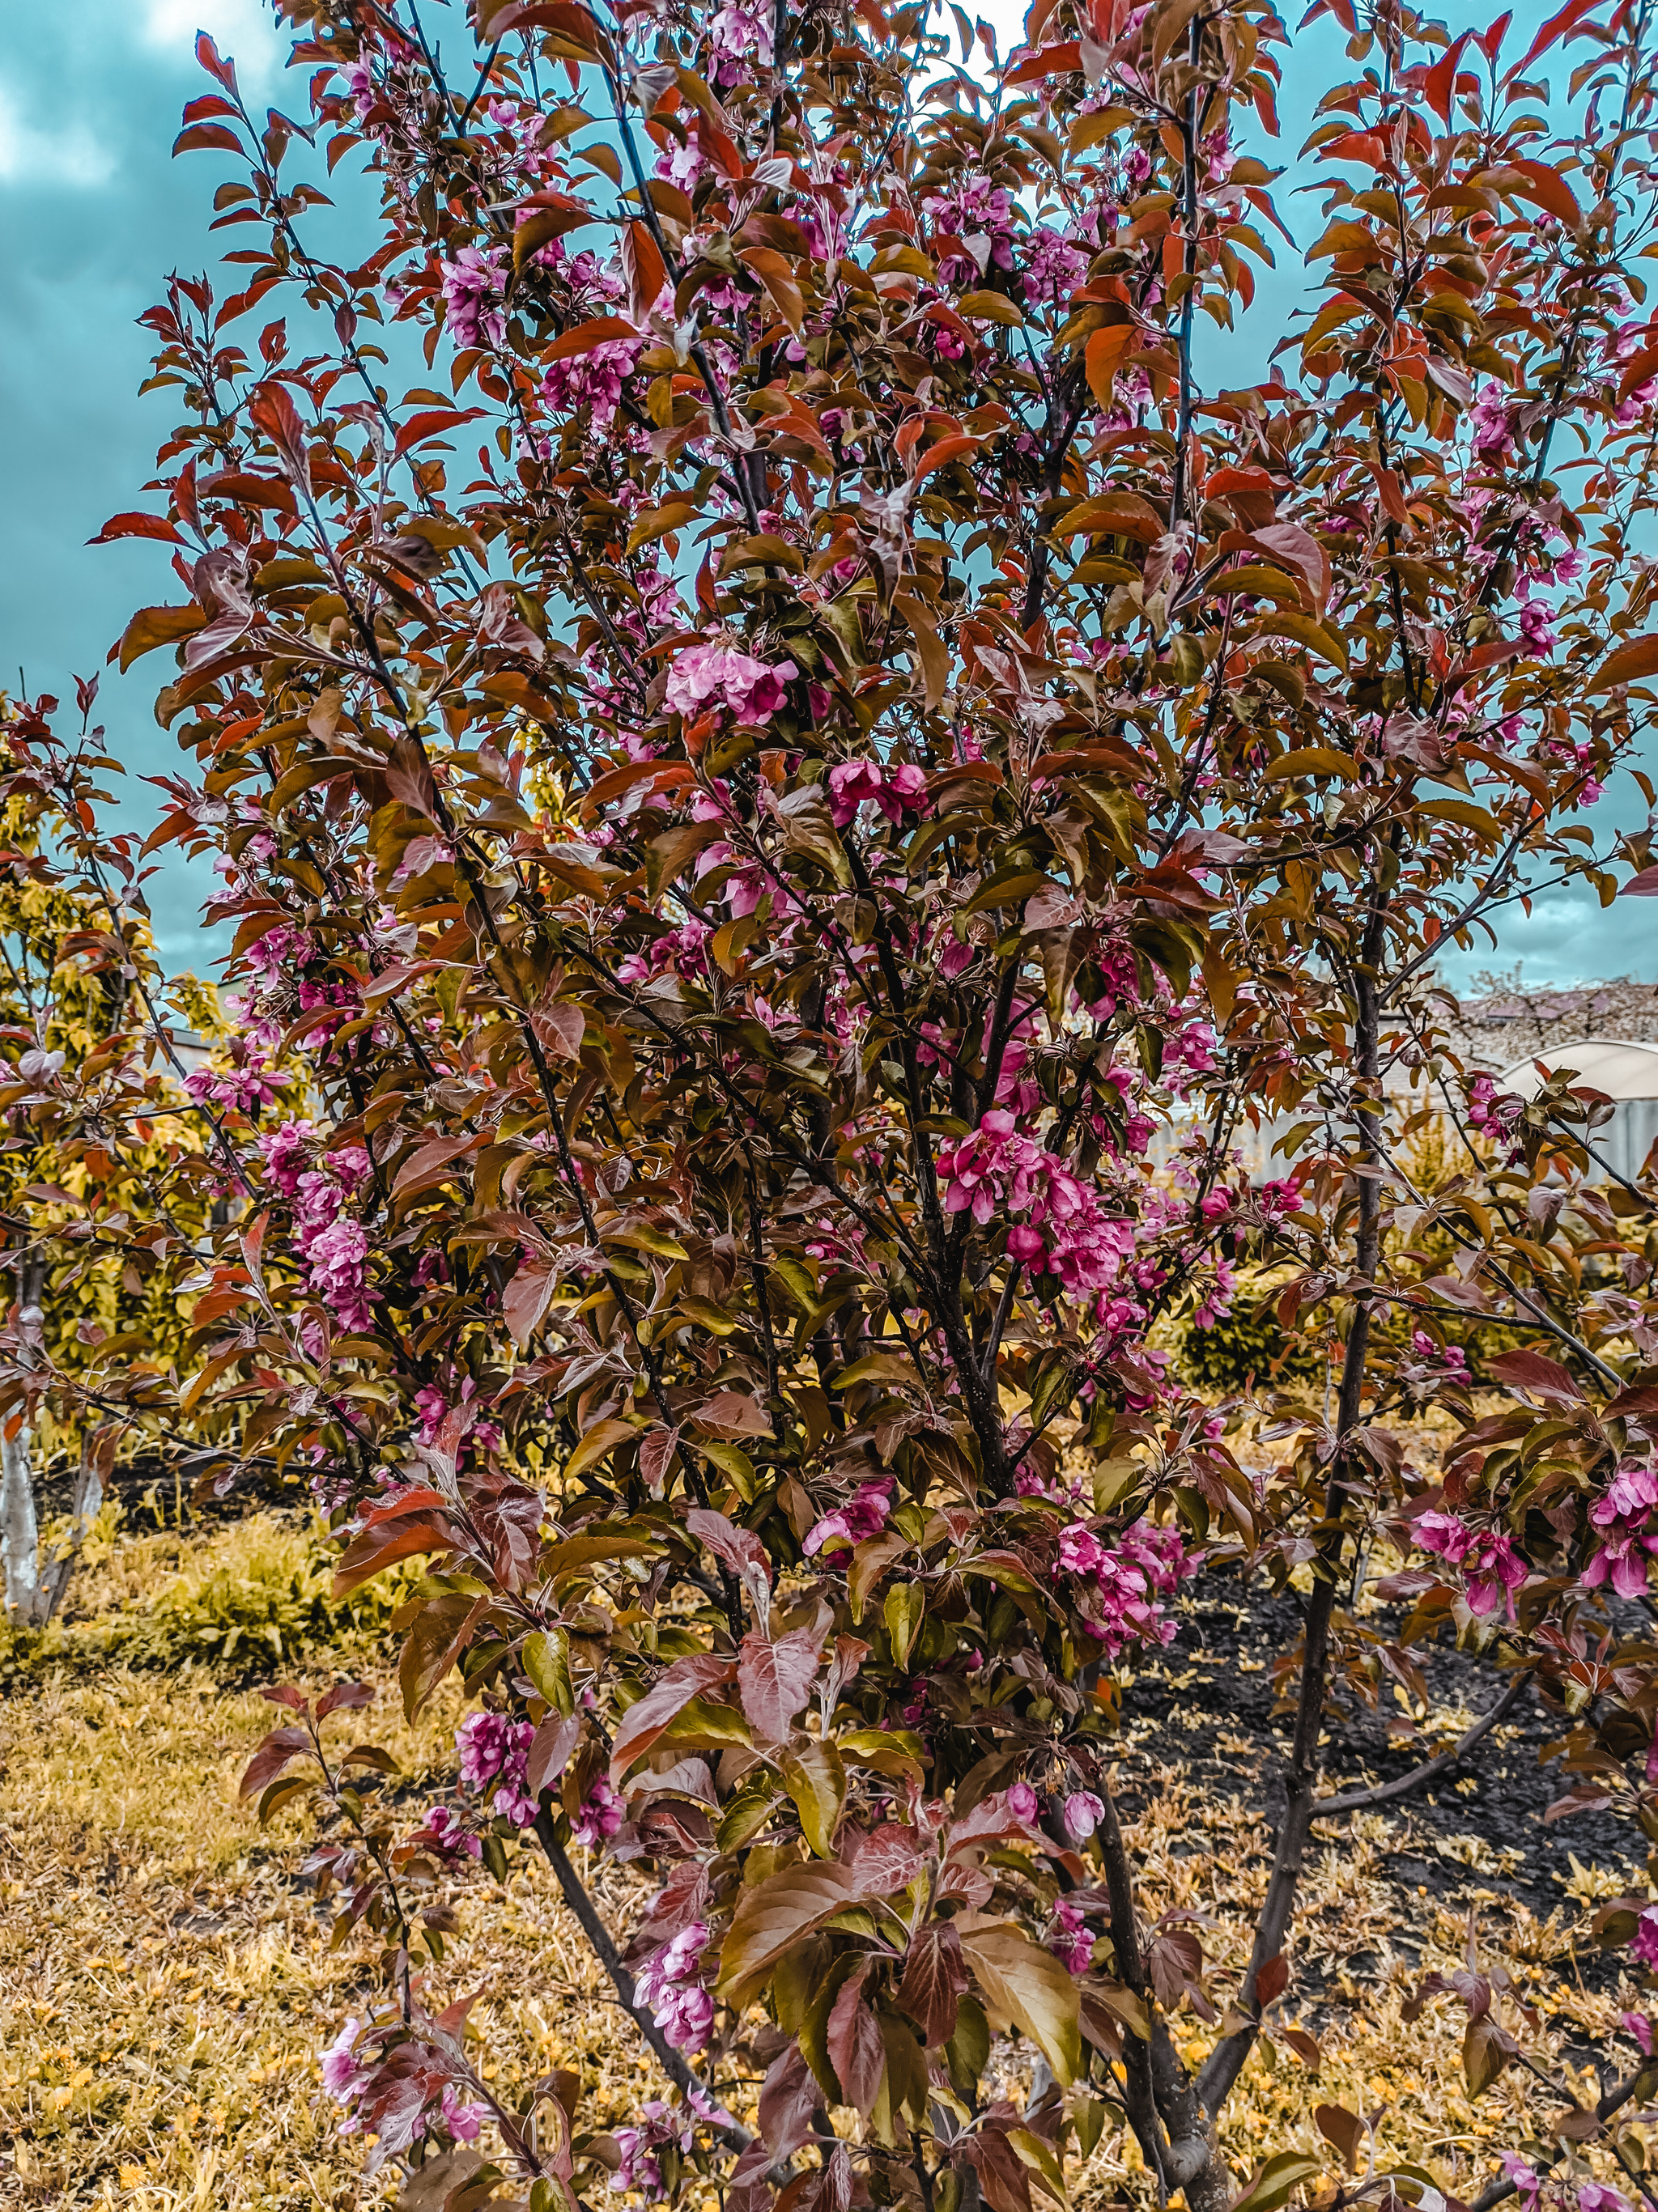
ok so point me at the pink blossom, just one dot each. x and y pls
(284, 1151)
(474, 306)
(590, 383)
(492, 1754)
(238, 1088)
(1071, 1939)
(1596, 2197)
(1081, 1552)
(441, 1831)
(1491, 1568)
(641, 2168)
(1643, 1945)
(864, 1515)
(600, 1817)
(1054, 264)
(671, 1982)
(1489, 421)
(1638, 2027)
(895, 791)
(1023, 1804)
(343, 2077)
(462, 2120)
(1083, 1813)
(740, 40)
(337, 1259)
(752, 690)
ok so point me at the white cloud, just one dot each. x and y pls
(242, 30)
(30, 155)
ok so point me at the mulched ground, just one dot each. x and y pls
(1466, 1841)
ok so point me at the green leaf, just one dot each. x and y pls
(896, 1752)
(771, 1918)
(816, 1780)
(546, 1662)
(280, 1792)
(702, 1725)
(747, 1811)
(602, 1438)
(1025, 1986)
(877, 1367)
(1278, 2181)
(906, 1602)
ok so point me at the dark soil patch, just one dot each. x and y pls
(1230, 1651)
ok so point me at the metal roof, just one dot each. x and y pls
(1622, 1067)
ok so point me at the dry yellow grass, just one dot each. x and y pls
(165, 1986)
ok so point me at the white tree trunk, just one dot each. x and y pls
(20, 1536)
(19, 1533)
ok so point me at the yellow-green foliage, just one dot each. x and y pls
(255, 1593)
(70, 983)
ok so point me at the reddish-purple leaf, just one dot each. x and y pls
(774, 1680)
(672, 1691)
(1273, 1979)
(935, 1977)
(789, 2096)
(137, 525)
(854, 2042)
(1538, 1376)
(279, 1749)
(736, 1548)
(550, 1750)
(344, 1697)
(887, 1860)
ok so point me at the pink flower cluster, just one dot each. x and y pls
(1440, 1363)
(896, 791)
(441, 1831)
(863, 1515)
(740, 41)
(978, 216)
(280, 953)
(682, 951)
(1071, 1939)
(671, 1983)
(599, 1816)
(1628, 1539)
(1493, 1112)
(591, 384)
(474, 297)
(1054, 265)
(344, 2077)
(749, 689)
(332, 1243)
(1083, 1813)
(1490, 1567)
(238, 1088)
(1491, 421)
(1644, 1943)
(492, 1751)
(1122, 1583)
(640, 2167)
(434, 1407)
(996, 1172)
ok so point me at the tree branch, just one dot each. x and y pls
(673, 2063)
(1384, 1793)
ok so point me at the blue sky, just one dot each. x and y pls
(94, 213)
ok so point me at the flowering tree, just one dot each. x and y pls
(780, 817)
